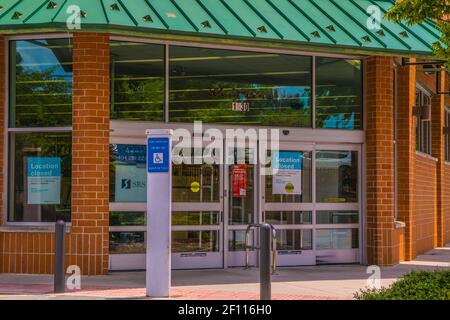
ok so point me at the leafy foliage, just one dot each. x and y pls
(417, 285)
(416, 11)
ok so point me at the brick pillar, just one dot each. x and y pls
(406, 151)
(90, 159)
(437, 125)
(382, 244)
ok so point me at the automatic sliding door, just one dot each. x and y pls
(197, 216)
(287, 203)
(337, 214)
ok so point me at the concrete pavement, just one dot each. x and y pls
(312, 282)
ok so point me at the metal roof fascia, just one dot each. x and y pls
(221, 26)
(336, 23)
(285, 17)
(312, 21)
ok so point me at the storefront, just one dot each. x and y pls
(77, 105)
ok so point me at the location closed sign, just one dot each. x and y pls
(288, 176)
(158, 155)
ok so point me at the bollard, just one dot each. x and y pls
(60, 235)
(265, 261)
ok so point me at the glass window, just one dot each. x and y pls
(288, 217)
(40, 167)
(237, 241)
(337, 217)
(241, 187)
(294, 239)
(422, 112)
(40, 83)
(195, 218)
(240, 88)
(337, 176)
(279, 192)
(128, 175)
(126, 242)
(119, 218)
(338, 93)
(195, 241)
(137, 81)
(195, 183)
(336, 239)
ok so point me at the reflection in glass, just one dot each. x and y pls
(337, 217)
(338, 93)
(127, 173)
(337, 176)
(300, 239)
(236, 240)
(126, 242)
(137, 81)
(120, 218)
(305, 184)
(336, 239)
(242, 210)
(41, 83)
(235, 87)
(288, 217)
(46, 200)
(197, 218)
(195, 183)
(195, 241)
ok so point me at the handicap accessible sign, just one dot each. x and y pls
(288, 176)
(43, 180)
(158, 155)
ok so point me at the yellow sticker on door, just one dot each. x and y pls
(289, 187)
(195, 187)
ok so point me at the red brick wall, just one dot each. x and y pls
(88, 240)
(382, 237)
(406, 152)
(446, 205)
(90, 150)
(425, 202)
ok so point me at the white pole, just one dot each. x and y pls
(159, 212)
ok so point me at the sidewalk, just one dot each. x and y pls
(299, 283)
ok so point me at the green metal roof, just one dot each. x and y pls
(312, 24)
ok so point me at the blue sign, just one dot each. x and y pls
(287, 160)
(43, 180)
(158, 155)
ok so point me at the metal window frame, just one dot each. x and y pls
(312, 55)
(423, 127)
(7, 129)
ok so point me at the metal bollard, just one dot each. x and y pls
(265, 261)
(60, 235)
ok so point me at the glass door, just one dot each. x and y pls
(287, 201)
(338, 204)
(197, 210)
(241, 206)
(197, 215)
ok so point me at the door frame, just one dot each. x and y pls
(324, 139)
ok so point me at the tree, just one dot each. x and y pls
(416, 11)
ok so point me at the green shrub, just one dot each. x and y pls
(417, 285)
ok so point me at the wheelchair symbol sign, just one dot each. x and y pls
(158, 158)
(158, 155)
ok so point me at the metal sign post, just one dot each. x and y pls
(159, 210)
